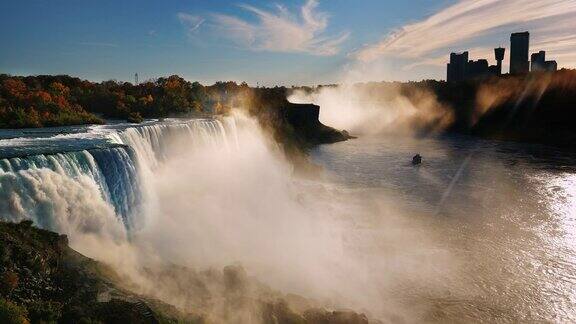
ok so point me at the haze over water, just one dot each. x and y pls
(504, 214)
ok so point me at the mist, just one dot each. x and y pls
(374, 108)
(231, 210)
(242, 205)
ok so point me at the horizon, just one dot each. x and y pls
(304, 42)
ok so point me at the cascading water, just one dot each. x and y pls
(109, 181)
(152, 142)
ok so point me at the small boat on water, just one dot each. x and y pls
(417, 159)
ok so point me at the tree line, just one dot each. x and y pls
(44, 100)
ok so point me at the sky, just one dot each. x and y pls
(284, 42)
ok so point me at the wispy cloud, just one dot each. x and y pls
(280, 30)
(191, 22)
(551, 22)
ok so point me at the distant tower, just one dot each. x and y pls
(136, 78)
(499, 52)
(519, 46)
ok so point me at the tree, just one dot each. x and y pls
(58, 88)
(9, 282)
(14, 88)
(11, 313)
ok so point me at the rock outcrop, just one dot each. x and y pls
(304, 119)
(42, 280)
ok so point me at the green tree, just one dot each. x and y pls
(11, 313)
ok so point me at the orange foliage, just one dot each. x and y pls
(59, 88)
(15, 88)
(41, 96)
(172, 83)
(9, 282)
(146, 100)
(61, 102)
(33, 117)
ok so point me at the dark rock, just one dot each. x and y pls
(135, 118)
(53, 283)
(235, 278)
(304, 119)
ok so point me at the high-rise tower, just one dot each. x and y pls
(456, 69)
(519, 47)
(538, 61)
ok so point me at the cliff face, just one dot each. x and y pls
(304, 120)
(302, 114)
(42, 280)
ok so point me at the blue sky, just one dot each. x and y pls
(266, 42)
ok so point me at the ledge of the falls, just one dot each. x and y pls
(304, 119)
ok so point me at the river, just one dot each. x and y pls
(481, 231)
(505, 212)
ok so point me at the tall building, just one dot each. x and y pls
(499, 53)
(477, 69)
(461, 68)
(551, 66)
(539, 63)
(519, 47)
(457, 67)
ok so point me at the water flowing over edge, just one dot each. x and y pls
(112, 180)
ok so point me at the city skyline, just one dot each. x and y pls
(285, 43)
(461, 67)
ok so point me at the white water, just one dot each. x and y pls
(98, 188)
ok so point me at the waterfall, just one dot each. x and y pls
(87, 189)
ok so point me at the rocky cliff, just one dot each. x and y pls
(304, 119)
(42, 280)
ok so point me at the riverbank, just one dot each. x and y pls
(531, 108)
